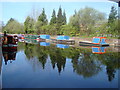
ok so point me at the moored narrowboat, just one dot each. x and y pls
(63, 40)
(34, 37)
(97, 41)
(9, 42)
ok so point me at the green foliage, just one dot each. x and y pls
(112, 15)
(29, 25)
(64, 18)
(13, 26)
(53, 19)
(68, 30)
(113, 22)
(43, 18)
(86, 18)
(60, 17)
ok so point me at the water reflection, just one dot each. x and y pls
(62, 46)
(83, 62)
(9, 54)
(44, 44)
(86, 66)
(98, 50)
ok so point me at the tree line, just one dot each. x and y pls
(86, 21)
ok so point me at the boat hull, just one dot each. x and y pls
(91, 44)
(63, 41)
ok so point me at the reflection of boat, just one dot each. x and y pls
(63, 39)
(9, 54)
(62, 46)
(98, 50)
(31, 41)
(97, 41)
(44, 44)
(9, 42)
(21, 37)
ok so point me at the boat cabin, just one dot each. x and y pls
(99, 40)
(9, 39)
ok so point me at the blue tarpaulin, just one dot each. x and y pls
(45, 36)
(96, 40)
(63, 37)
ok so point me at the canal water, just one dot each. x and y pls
(45, 65)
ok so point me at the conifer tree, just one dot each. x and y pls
(60, 17)
(112, 15)
(53, 19)
(64, 18)
(43, 18)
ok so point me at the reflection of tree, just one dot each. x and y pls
(41, 55)
(57, 59)
(112, 62)
(21, 46)
(33, 50)
(84, 62)
(29, 50)
(110, 72)
(85, 65)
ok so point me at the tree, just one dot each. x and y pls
(43, 18)
(86, 18)
(53, 19)
(59, 20)
(74, 21)
(113, 26)
(59, 16)
(64, 18)
(29, 25)
(112, 15)
(13, 26)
